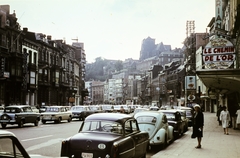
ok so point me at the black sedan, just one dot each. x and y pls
(175, 120)
(105, 135)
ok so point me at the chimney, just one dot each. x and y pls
(25, 29)
(49, 37)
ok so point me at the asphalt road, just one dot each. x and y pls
(45, 139)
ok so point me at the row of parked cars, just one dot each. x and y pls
(104, 134)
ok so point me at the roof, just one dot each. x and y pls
(116, 117)
(6, 133)
(169, 111)
(17, 106)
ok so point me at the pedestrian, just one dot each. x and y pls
(238, 118)
(218, 115)
(198, 123)
(225, 118)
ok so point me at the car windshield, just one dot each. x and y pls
(146, 119)
(170, 116)
(52, 109)
(102, 126)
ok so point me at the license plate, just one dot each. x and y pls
(87, 155)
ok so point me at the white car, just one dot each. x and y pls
(56, 114)
(156, 124)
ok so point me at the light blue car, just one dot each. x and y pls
(156, 124)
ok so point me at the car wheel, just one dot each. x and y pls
(3, 125)
(36, 122)
(164, 145)
(59, 120)
(43, 121)
(20, 124)
(69, 119)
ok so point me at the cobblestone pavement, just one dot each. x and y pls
(215, 144)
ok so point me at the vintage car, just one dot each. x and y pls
(107, 135)
(156, 124)
(189, 114)
(19, 114)
(10, 147)
(80, 112)
(56, 114)
(174, 119)
(184, 119)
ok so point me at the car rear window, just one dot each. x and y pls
(147, 119)
(102, 126)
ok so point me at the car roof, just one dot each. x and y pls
(6, 133)
(149, 113)
(116, 117)
(17, 106)
(169, 111)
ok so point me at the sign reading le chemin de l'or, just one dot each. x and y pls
(219, 54)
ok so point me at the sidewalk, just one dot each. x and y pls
(214, 143)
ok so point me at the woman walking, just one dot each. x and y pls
(225, 118)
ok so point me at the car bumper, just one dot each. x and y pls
(8, 121)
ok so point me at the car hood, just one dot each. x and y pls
(92, 140)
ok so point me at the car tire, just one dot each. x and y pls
(58, 121)
(69, 119)
(36, 122)
(3, 125)
(164, 145)
(43, 121)
(20, 124)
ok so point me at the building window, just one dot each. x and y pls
(40, 75)
(57, 78)
(32, 77)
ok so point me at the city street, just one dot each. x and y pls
(46, 140)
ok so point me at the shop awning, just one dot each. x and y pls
(227, 80)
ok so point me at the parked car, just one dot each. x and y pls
(19, 114)
(10, 147)
(56, 114)
(184, 119)
(156, 124)
(189, 114)
(175, 120)
(107, 135)
(80, 112)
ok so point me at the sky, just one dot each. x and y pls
(113, 29)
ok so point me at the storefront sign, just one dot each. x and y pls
(219, 54)
(190, 82)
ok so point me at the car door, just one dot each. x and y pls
(132, 130)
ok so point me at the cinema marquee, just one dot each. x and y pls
(218, 54)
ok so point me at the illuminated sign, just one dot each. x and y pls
(219, 54)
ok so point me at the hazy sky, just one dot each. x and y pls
(113, 29)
